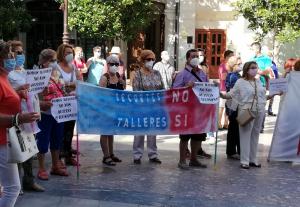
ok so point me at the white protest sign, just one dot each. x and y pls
(64, 109)
(278, 85)
(38, 79)
(207, 93)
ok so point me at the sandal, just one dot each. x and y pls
(61, 165)
(108, 161)
(59, 171)
(114, 158)
(43, 175)
(71, 161)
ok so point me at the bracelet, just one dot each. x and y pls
(17, 119)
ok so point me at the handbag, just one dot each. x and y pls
(20, 146)
(246, 116)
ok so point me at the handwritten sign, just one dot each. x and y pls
(278, 85)
(64, 109)
(207, 93)
(38, 79)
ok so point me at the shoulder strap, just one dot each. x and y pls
(194, 74)
(141, 80)
(255, 95)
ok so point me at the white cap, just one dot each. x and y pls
(115, 50)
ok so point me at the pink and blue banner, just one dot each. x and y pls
(116, 112)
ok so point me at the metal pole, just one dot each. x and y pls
(65, 38)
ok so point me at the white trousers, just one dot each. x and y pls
(9, 179)
(249, 135)
(138, 146)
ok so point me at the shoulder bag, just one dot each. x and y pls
(245, 116)
(20, 145)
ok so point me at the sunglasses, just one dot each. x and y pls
(114, 64)
(150, 59)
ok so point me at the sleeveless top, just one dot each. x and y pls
(118, 85)
(95, 71)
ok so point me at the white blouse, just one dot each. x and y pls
(242, 95)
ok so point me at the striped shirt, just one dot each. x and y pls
(167, 71)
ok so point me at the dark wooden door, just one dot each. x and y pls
(213, 41)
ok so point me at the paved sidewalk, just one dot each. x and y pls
(127, 185)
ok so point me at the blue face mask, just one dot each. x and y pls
(9, 64)
(20, 60)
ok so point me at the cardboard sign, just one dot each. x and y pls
(38, 79)
(64, 109)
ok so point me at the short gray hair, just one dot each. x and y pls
(112, 59)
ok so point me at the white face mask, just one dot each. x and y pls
(53, 65)
(201, 59)
(194, 62)
(113, 69)
(149, 64)
(69, 58)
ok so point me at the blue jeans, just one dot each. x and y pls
(9, 179)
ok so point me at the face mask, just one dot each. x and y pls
(115, 55)
(149, 64)
(69, 58)
(53, 65)
(97, 54)
(194, 62)
(20, 60)
(165, 58)
(80, 55)
(252, 72)
(201, 59)
(9, 64)
(113, 69)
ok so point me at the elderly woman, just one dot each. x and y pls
(10, 108)
(69, 74)
(29, 103)
(146, 79)
(51, 131)
(233, 137)
(112, 79)
(249, 93)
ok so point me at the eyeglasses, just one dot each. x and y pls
(150, 59)
(19, 52)
(114, 64)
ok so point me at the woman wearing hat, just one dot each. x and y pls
(146, 79)
(116, 51)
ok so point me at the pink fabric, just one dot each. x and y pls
(54, 91)
(222, 69)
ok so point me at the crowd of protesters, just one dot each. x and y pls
(240, 84)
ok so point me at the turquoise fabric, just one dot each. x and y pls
(95, 72)
(263, 63)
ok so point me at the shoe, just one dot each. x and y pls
(114, 158)
(252, 164)
(58, 171)
(155, 160)
(43, 175)
(202, 153)
(244, 166)
(71, 161)
(137, 161)
(196, 163)
(34, 187)
(271, 114)
(183, 166)
(108, 161)
(233, 157)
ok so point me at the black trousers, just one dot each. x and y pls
(68, 137)
(28, 177)
(233, 137)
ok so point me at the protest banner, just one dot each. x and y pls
(207, 93)
(278, 85)
(176, 111)
(38, 79)
(64, 109)
(286, 138)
